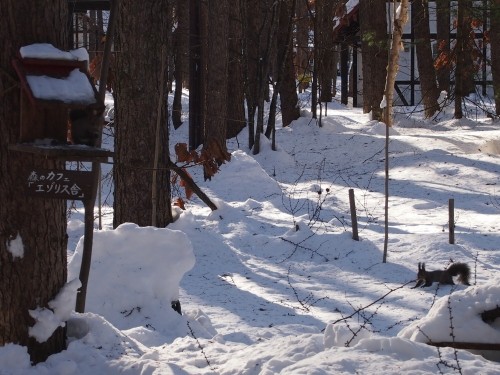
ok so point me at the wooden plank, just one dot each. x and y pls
(64, 152)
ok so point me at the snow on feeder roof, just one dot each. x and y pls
(49, 75)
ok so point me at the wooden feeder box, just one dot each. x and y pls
(61, 113)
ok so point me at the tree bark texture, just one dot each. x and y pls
(427, 73)
(288, 88)
(392, 66)
(256, 16)
(443, 40)
(302, 54)
(250, 49)
(34, 279)
(235, 87)
(196, 73)
(460, 50)
(373, 26)
(327, 72)
(181, 53)
(495, 50)
(217, 70)
(141, 34)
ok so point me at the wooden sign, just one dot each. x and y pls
(52, 183)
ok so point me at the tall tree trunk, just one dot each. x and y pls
(495, 50)
(141, 37)
(93, 37)
(216, 94)
(427, 74)
(181, 51)
(285, 75)
(236, 94)
(469, 71)
(34, 278)
(252, 19)
(316, 54)
(327, 72)
(265, 27)
(196, 73)
(460, 51)
(302, 55)
(373, 25)
(443, 70)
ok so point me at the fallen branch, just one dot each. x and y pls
(191, 184)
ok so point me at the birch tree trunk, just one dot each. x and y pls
(393, 65)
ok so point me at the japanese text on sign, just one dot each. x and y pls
(74, 185)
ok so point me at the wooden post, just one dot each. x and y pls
(354, 219)
(88, 237)
(451, 220)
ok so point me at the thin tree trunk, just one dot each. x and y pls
(285, 77)
(154, 190)
(400, 18)
(268, 30)
(393, 65)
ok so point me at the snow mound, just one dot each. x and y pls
(462, 308)
(491, 147)
(145, 264)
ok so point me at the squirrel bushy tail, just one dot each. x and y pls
(462, 270)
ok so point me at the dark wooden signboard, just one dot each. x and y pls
(52, 183)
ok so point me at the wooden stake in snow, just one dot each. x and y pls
(451, 221)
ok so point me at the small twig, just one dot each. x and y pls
(358, 311)
(308, 302)
(299, 246)
(200, 346)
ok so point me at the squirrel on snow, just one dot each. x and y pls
(426, 278)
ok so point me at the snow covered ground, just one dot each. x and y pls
(272, 281)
